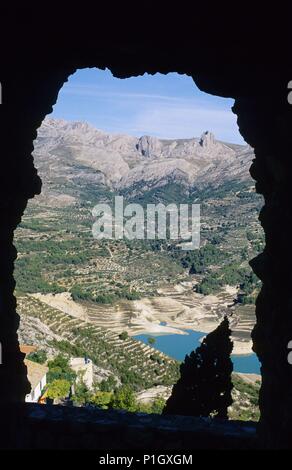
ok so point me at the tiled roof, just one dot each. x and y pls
(27, 348)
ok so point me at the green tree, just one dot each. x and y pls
(78, 293)
(155, 407)
(82, 395)
(58, 389)
(124, 399)
(151, 340)
(204, 387)
(158, 405)
(38, 356)
(59, 369)
(108, 385)
(124, 335)
(102, 399)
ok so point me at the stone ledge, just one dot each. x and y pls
(33, 426)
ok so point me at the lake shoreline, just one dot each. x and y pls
(178, 346)
(156, 316)
(240, 348)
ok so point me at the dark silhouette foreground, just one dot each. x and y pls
(204, 388)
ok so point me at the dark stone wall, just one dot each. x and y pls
(33, 426)
(267, 124)
(238, 53)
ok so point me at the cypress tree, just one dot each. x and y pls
(204, 387)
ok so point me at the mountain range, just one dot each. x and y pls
(76, 153)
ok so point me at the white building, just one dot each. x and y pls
(37, 376)
(84, 370)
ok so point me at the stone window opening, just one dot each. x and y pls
(260, 119)
(206, 140)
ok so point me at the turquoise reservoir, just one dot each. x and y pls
(177, 346)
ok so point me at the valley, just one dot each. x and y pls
(81, 294)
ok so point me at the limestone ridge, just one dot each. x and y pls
(76, 151)
(149, 146)
(207, 139)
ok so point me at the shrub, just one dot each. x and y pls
(58, 389)
(124, 399)
(38, 356)
(124, 335)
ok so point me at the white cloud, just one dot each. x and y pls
(99, 92)
(180, 122)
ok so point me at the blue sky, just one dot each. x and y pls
(166, 106)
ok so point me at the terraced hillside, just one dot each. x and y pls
(131, 362)
(57, 252)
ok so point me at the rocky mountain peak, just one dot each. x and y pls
(207, 139)
(149, 146)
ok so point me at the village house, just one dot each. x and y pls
(37, 376)
(84, 370)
